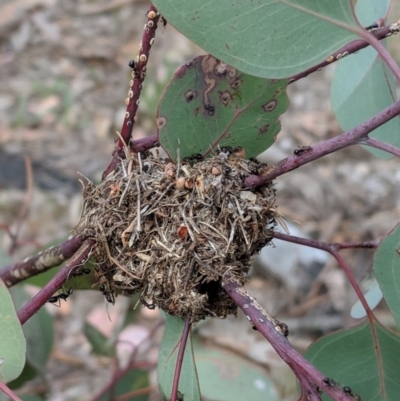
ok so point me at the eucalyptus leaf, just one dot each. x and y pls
(209, 104)
(12, 344)
(265, 38)
(366, 360)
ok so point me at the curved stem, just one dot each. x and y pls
(354, 136)
(303, 369)
(56, 282)
(7, 391)
(376, 143)
(139, 67)
(350, 48)
(179, 360)
(45, 260)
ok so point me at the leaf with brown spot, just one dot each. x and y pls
(208, 104)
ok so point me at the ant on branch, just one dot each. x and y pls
(64, 295)
(302, 149)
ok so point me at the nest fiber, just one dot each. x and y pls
(170, 232)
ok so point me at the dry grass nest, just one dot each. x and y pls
(172, 231)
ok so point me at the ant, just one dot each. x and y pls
(302, 149)
(193, 159)
(81, 272)
(108, 295)
(329, 382)
(64, 295)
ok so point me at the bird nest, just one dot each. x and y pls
(170, 232)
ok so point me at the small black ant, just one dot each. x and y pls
(81, 272)
(227, 150)
(64, 295)
(150, 306)
(347, 390)
(329, 382)
(302, 149)
(194, 158)
(108, 295)
(132, 64)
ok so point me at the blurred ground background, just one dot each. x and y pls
(63, 79)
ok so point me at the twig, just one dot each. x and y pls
(355, 136)
(139, 67)
(45, 260)
(333, 249)
(179, 360)
(56, 282)
(7, 391)
(350, 48)
(259, 318)
(383, 52)
(376, 143)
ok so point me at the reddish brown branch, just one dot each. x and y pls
(45, 260)
(179, 360)
(377, 144)
(56, 282)
(139, 68)
(300, 366)
(350, 48)
(354, 136)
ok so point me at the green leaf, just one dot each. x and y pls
(209, 104)
(12, 344)
(366, 361)
(266, 38)
(188, 383)
(387, 271)
(224, 376)
(363, 85)
(38, 330)
(101, 345)
(132, 381)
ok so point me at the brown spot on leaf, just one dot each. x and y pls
(190, 95)
(196, 111)
(161, 122)
(270, 105)
(225, 97)
(181, 72)
(236, 83)
(263, 130)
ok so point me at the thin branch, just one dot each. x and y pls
(333, 249)
(139, 68)
(273, 333)
(56, 282)
(143, 144)
(374, 42)
(45, 260)
(376, 143)
(325, 246)
(350, 48)
(354, 136)
(179, 360)
(7, 391)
